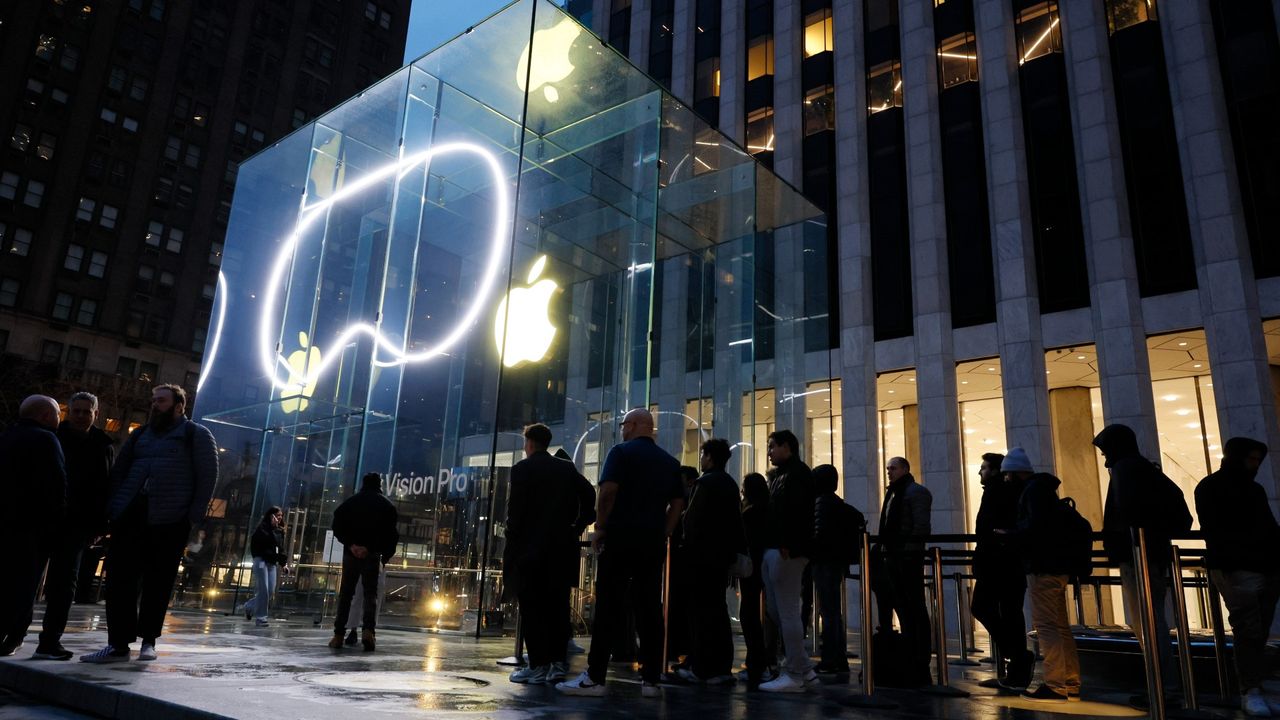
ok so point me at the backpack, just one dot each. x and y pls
(1076, 535)
(849, 540)
(1169, 513)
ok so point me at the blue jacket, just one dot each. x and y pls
(182, 465)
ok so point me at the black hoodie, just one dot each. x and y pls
(1139, 496)
(89, 456)
(1240, 532)
(791, 494)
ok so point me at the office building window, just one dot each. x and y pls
(21, 137)
(35, 194)
(957, 60)
(820, 109)
(77, 356)
(9, 185)
(9, 292)
(818, 36)
(51, 352)
(87, 312)
(1123, 14)
(98, 264)
(62, 303)
(108, 218)
(75, 257)
(760, 130)
(1038, 31)
(707, 79)
(759, 57)
(85, 209)
(884, 87)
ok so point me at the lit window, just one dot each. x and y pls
(818, 35)
(1127, 13)
(21, 138)
(884, 87)
(20, 243)
(154, 231)
(707, 79)
(88, 311)
(760, 57)
(215, 254)
(1038, 32)
(35, 194)
(45, 149)
(46, 47)
(109, 216)
(819, 110)
(62, 303)
(760, 131)
(958, 60)
(74, 258)
(98, 265)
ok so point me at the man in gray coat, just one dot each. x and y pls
(160, 486)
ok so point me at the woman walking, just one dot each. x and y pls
(267, 547)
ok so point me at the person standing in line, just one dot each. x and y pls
(639, 502)
(35, 495)
(365, 524)
(791, 507)
(680, 613)
(837, 530)
(899, 565)
(267, 548)
(1000, 583)
(89, 453)
(544, 510)
(356, 616)
(1039, 534)
(762, 655)
(1242, 551)
(713, 538)
(161, 485)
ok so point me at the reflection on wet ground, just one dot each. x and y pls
(227, 666)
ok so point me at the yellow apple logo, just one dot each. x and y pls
(551, 63)
(295, 399)
(531, 330)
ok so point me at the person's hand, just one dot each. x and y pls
(360, 551)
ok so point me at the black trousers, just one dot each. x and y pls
(24, 562)
(828, 580)
(356, 570)
(997, 604)
(899, 586)
(712, 634)
(544, 605)
(141, 566)
(762, 648)
(680, 617)
(622, 573)
(60, 586)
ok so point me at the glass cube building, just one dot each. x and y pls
(518, 227)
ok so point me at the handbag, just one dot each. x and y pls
(741, 566)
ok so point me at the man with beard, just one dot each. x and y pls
(89, 452)
(160, 485)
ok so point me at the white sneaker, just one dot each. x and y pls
(148, 652)
(1254, 704)
(650, 690)
(529, 675)
(811, 678)
(783, 684)
(574, 648)
(581, 686)
(557, 673)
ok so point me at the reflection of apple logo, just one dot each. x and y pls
(551, 62)
(531, 330)
(295, 399)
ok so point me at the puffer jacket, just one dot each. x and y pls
(791, 494)
(182, 464)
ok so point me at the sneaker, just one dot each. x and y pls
(574, 648)
(581, 686)
(107, 654)
(529, 675)
(1044, 693)
(687, 675)
(261, 623)
(1254, 704)
(784, 684)
(52, 652)
(148, 651)
(557, 672)
(1005, 686)
(335, 642)
(248, 612)
(721, 680)
(650, 690)
(368, 640)
(352, 638)
(9, 646)
(832, 669)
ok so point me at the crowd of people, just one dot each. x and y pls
(779, 537)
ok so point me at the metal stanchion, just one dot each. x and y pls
(961, 623)
(940, 633)
(1097, 599)
(1078, 593)
(867, 699)
(1219, 646)
(844, 612)
(1190, 701)
(666, 610)
(517, 660)
(973, 629)
(1147, 613)
(815, 610)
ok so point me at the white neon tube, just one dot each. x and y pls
(217, 331)
(272, 359)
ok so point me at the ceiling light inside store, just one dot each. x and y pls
(1169, 398)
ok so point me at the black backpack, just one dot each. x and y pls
(849, 541)
(1076, 535)
(1171, 516)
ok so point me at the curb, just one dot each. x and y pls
(91, 697)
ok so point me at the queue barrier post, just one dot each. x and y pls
(1219, 645)
(961, 623)
(867, 699)
(943, 686)
(1147, 617)
(1190, 701)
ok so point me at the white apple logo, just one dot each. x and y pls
(551, 63)
(531, 330)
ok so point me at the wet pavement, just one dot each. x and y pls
(220, 666)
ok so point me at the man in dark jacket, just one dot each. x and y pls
(1000, 583)
(545, 511)
(898, 560)
(1242, 550)
(638, 504)
(1038, 534)
(836, 527)
(365, 524)
(89, 453)
(1140, 496)
(713, 537)
(791, 497)
(34, 501)
(160, 486)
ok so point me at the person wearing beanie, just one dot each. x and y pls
(1000, 585)
(1241, 536)
(365, 524)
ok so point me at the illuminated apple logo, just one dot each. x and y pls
(296, 399)
(531, 330)
(551, 62)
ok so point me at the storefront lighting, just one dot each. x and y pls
(552, 63)
(217, 331)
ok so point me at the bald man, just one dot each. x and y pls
(639, 503)
(34, 492)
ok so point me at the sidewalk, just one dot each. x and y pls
(214, 666)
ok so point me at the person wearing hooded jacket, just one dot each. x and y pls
(898, 565)
(1241, 541)
(1138, 496)
(1048, 567)
(365, 524)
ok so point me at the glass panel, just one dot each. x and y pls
(818, 33)
(982, 427)
(759, 57)
(958, 60)
(884, 87)
(1127, 13)
(1038, 31)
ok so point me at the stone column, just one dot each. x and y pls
(684, 32)
(600, 17)
(940, 464)
(1123, 367)
(1026, 394)
(733, 69)
(641, 16)
(788, 115)
(1224, 266)
(910, 441)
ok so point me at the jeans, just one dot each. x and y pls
(1159, 591)
(141, 566)
(264, 584)
(782, 580)
(363, 570)
(1049, 616)
(712, 634)
(1251, 606)
(624, 573)
(828, 580)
